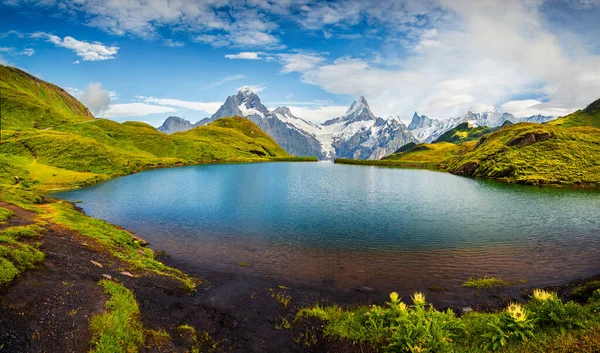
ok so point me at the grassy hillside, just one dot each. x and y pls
(590, 116)
(50, 139)
(464, 132)
(28, 102)
(565, 152)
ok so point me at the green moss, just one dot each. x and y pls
(5, 214)
(17, 254)
(484, 282)
(8, 271)
(118, 329)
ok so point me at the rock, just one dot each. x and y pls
(365, 289)
(96, 263)
(467, 169)
(141, 241)
(106, 276)
(529, 138)
(128, 274)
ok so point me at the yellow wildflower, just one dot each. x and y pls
(517, 312)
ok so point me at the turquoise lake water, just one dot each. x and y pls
(352, 226)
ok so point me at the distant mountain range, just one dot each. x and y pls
(358, 134)
(428, 130)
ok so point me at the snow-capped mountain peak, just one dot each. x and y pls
(359, 111)
(245, 91)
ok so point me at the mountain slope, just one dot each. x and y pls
(564, 152)
(428, 130)
(175, 124)
(28, 102)
(464, 132)
(359, 134)
(590, 116)
(82, 148)
(280, 124)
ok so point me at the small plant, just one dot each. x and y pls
(550, 312)
(484, 282)
(512, 325)
(119, 328)
(585, 291)
(281, 297)
(284, 324)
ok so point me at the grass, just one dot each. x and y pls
(423, 156)
(429, 156)
(119, 328)
(585, 291)
(18, 251)
(484, 282)
(464, 132)
(543, 324)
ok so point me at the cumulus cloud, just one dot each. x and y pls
(245, 55)
(481, 60)
(95, 98)
(87, 51)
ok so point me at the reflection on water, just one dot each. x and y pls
(355, 226)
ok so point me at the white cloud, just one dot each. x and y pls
(299, 62)
(88, 51)
(254, 88)
(75, 92)
(318, 114)
(27, 51)
(173, 44)
(135, 109)
(477, 59)
(225, 80)
(76, 62)
(95, 98)
(13, 51)
(208, 107)
(529, 107)
(245, 55)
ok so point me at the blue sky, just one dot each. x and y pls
(146, 60)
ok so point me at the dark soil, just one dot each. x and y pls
(48, 309)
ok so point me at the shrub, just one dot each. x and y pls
(549, 311)
(512, 325)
